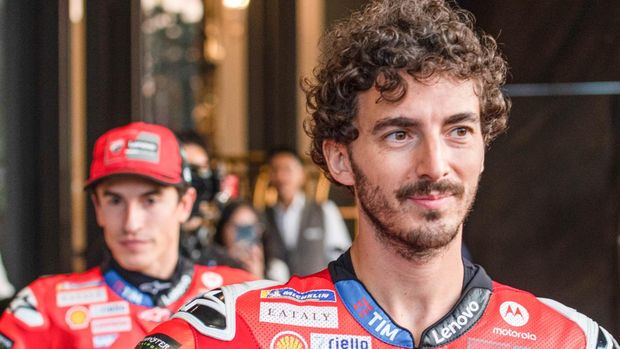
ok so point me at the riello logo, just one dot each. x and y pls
(514, 313)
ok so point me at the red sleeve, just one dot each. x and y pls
(175, 333)
(179, 334)
(29, 327)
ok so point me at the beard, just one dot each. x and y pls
(414, 243)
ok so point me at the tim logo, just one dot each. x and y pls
(514, 313)
(362, 307)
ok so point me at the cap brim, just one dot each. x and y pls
(91, 183)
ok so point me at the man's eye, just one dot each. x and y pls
(113, 201)
(460, 132)
(397, 136)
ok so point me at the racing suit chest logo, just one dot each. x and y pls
(466, 313)
(456, 323)
(362, 307)
(514, 313)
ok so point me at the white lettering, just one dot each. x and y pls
(437, 338)
(306, 316)
(451, 328)
(391, 334)
(375, 317)
(333, 341)
(505, 332)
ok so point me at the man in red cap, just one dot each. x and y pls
(140, 188)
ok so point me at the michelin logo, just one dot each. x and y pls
(309, 296)
(335, 341)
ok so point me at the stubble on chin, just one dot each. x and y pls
(414, 243)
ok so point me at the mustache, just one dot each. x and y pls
(425, 187)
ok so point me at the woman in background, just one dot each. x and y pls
(240, 232)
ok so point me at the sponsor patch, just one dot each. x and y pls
(370, 315)
(155, 315)
(514, 313)
(339, 341)
(508, 332)
(154, 287)
(5, 342)
(125, 290)
(85, 296)
(144, 147)
(485, 344)
(109, 309)
(288, 340)
(158, 341)
(24, 308)
(178, 290)
(77, 317)
(309, 296)
(105, 340)
(115, 324)
(68, 285)
(304, 316)
(212, 280)
(465, 314)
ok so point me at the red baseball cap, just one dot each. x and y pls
(147, 150)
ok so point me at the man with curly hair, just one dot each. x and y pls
(405, 100)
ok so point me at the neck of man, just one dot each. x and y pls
(416, 293)
(287, 199)
(165, 268)
(161, 290)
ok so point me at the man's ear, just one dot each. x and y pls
(338, 162)
(186, 203)
(97, 206)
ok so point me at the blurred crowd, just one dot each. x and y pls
(295, 235)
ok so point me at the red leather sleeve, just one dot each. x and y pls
(175, 333)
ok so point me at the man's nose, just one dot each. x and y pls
(432, 161)
(134, 218)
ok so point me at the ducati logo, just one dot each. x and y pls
(514, 313)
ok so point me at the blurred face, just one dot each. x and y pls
(196, 156)
(140, 221)
(287, 176)
(242, 218)
(416, 164)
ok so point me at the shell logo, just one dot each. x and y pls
(288, 340)
(77, 317)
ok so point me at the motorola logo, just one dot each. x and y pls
(514, 313)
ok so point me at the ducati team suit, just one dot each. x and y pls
(104, 307)
(333, 310)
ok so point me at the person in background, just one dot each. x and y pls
(303, 233)
(240, 232)
(140, 188)
(405, 100)
(198, 232)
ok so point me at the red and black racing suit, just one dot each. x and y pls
(104, 307)
(333, 310)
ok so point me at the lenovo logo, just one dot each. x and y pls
(452, 326)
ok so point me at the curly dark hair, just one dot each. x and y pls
(387, 37)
